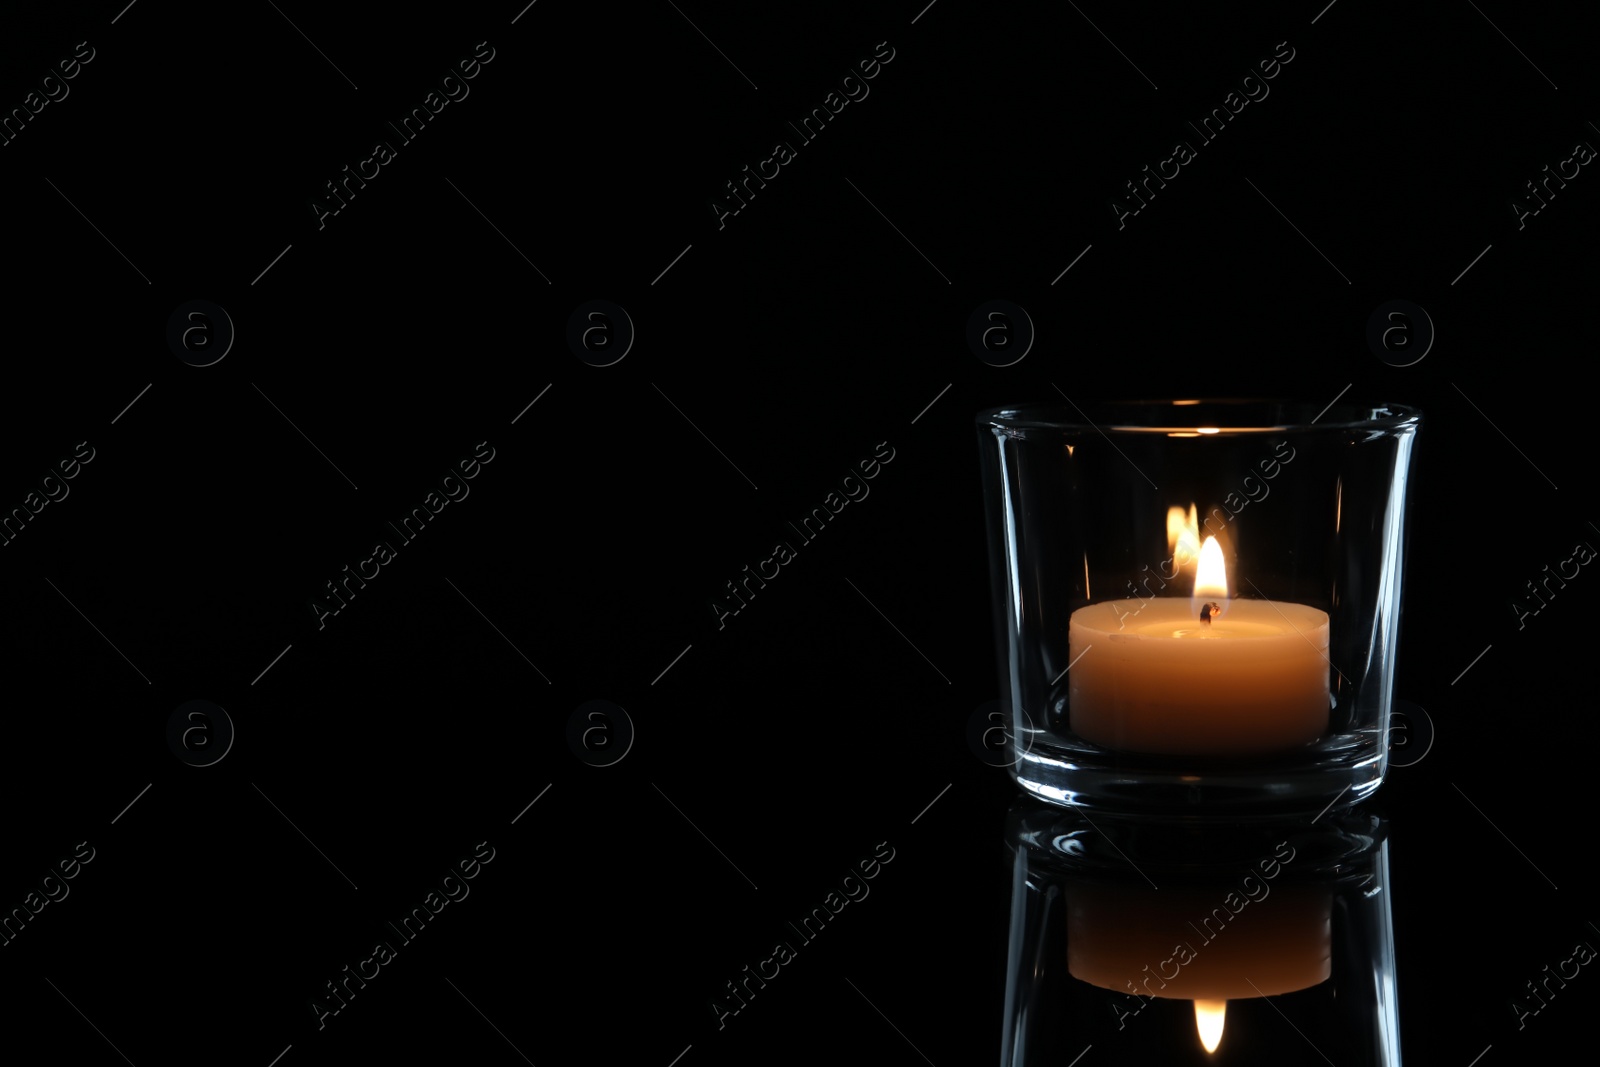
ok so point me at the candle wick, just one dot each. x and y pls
(1211, 608)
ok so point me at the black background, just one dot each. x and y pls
(772, 354)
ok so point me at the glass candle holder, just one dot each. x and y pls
(1197, 601)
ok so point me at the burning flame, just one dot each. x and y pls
(1208, 1019)
(1183, 536)
(1211, 576)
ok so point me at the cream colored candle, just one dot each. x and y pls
(1156, 676)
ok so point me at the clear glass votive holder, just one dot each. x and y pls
(1197, 601)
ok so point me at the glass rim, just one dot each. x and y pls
(1103, 416)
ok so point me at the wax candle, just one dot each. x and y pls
(1201, 675)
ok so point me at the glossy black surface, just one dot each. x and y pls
(776, 356)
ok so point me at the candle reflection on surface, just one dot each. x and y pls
(1288, 920)
(1209, 945)
(1209, 1018)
